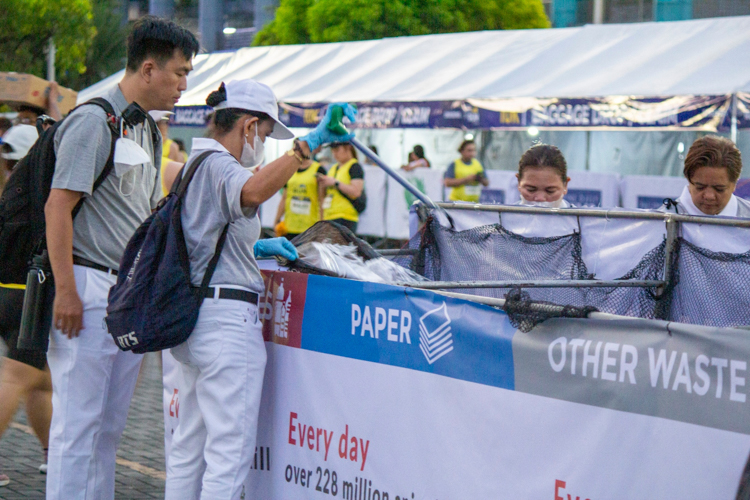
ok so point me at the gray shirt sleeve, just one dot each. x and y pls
(228, 178)
(450, 172)
(82, 145)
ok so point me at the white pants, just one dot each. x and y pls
(92, 383)
(222, 366)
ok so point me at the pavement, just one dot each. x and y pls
(139, 473)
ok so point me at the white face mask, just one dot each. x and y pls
(252, 156)
(545, 204)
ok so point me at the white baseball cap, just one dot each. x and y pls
(19, 140)
(255, 96)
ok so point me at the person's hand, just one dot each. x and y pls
(325, 180)
(322, 135)
(67, 312)
(275, 246)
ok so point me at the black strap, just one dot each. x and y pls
(213, 262)
(180, 184)
(232, 294)
(179, 188)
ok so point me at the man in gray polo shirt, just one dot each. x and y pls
(92, 380)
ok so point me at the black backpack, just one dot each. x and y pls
(153, 306)
(22, 227)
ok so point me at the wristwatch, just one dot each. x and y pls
(337, 184)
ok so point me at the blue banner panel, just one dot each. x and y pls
(414, 329)
(693, 112)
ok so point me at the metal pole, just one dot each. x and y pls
(51, 60)
(413, 190)
(733, 129)
(161, 8)
(598, 212)
(598, 11)
(431, 285)
(661, 311)
(210, 23)
(491, 301)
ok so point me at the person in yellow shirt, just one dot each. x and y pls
(466, 175)
(342, 187)
(300, 204)
(170, 151)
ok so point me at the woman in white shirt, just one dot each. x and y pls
(543, 177)
(712, 167)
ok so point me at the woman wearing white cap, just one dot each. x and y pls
(223, 361)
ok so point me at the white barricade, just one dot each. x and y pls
(592, 189)
(372, 220)
(503, 188)
(649, 191)
(427, 180)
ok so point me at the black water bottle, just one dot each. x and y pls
(36, 318)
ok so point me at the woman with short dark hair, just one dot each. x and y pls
(712, 167)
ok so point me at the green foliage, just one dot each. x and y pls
(28, 25)
(107, 53)
(304, 21)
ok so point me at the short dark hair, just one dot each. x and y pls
(544, 155)
(464, 144)
(713, 151)
(419, 151)
(224, 120)
(158, 38)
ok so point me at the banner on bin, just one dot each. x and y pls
(680, 112)
(379, 392)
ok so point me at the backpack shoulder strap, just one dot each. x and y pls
(187, 173)
(179, 188)
(110, 164)
(211, 267)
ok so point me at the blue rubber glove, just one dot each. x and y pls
(275, 246)
(321, 135)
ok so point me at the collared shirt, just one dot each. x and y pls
(213, 199)
(686, 201)
(109, 216)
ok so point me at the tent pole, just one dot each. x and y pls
(733, 129)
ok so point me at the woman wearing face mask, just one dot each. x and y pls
(223, 361)
(543, 177)
(712, 166)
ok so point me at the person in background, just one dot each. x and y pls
(24, 374)
(344, 183)
(181, 144)
(712, 167)
(27, 115)
(170, 150)
(466, 175)
(5, 124)
(300, 204)
(543, 177)
(416, 159)
(16, 144)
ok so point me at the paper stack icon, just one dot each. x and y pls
(435, 338)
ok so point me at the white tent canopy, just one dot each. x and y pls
(702, 57)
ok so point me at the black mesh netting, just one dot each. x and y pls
(525, 313)
(710, 288)
(492, 253)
